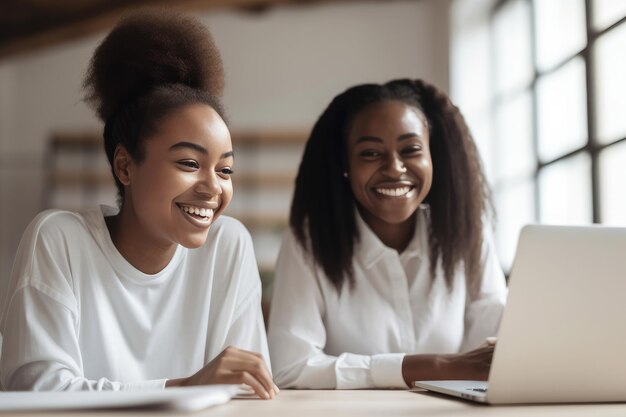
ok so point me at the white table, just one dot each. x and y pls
(364, 403)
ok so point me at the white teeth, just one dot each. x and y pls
(393, 192)
(203, 212)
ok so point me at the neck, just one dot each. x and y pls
(396, 236)
(141, 250)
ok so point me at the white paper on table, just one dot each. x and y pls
(174, 399)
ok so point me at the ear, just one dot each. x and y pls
(121, 164)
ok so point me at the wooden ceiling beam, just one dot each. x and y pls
(103, 19)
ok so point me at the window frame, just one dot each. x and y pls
(593, 147)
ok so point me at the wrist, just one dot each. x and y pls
(442, 366)
(419, 367)
(426, 367)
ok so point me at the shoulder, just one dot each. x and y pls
(229, 234)
(295, 254)
(293, 246)
(228, 228)
(229, 255)
(43, 258)
(289, 238)
(55, 225)
(55, 236)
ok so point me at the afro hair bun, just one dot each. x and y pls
(148, 49)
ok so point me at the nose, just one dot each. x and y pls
(394, 166)
(208, 184)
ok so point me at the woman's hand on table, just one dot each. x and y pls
(472, 365)
(234, 366)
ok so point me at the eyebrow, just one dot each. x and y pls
(379, 140)
(409, 136)
(189, 145)
(198, 148)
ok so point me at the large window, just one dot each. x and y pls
(551, 109)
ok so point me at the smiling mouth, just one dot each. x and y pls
(394, 191)
(197, 213)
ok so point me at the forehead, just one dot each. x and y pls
(195, 119)
(387, 118)
(198, 123)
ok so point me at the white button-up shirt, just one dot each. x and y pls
(320, 338)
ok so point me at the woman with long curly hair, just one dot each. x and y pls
(388, 272)
(163, 290)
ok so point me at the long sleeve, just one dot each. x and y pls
(484, 310)
(41, 350)
(40, 323)
(297, 334)
(247, 330)
(236, 318)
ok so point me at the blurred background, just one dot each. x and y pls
(541, 82)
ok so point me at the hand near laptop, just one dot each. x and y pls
(233, 366)
(472, 365)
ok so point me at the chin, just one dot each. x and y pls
(193, 242)
(397, 217)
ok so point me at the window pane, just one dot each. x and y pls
(561, 30)
(513, 59)
(515, 205)
(607, 12)
(470, 78)
(610, 67)
(562, 110)
(612, 176)
(565, 191)
(513, 139)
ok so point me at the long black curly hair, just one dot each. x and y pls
(323, 208)
(152, 63)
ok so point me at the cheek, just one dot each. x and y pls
(358, 178)
(158, 185)
(353, 176)
(427, 167)
(145, 186)
(227, 193)
(425, 171)
(357, 169)
(423, 166)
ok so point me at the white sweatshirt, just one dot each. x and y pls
(321, 339)
(78, 316)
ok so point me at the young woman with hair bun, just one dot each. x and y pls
(388, 273)
(163, 290)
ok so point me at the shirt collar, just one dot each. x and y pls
(370, 248)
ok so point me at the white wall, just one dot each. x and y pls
(283, 67)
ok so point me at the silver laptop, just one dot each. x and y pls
(563, 333)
